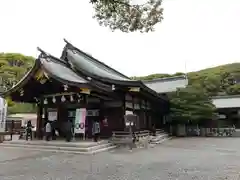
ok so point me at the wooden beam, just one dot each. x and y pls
(85, 90)
(60, 94)
(134, 89)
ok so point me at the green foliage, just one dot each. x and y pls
(21, 108)
(233, 90)
(13, 66)
(127, 16)
(218, 80)
(191, 104)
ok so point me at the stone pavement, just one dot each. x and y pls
(177, 159)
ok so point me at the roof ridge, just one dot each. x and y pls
(57, 60)
(166, 78)
(95, 60)
(61, 62)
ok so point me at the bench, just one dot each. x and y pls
(142, 138)
(220, 131)
(122, 138)
(142, 134)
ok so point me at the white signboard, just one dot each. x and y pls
(127, 123)
(79, 126)
(93, 112)
(3, 114)
(52, 115)
(128, 112)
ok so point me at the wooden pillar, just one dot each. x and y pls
(39, 120)
(133, 105)
(123, 111)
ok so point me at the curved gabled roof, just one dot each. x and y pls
(59, 71)
(62, 71)
(94, 61)
(89, 66)
(54, 68)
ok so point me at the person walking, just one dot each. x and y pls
(48, 130)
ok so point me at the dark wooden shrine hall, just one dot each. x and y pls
(77, 80)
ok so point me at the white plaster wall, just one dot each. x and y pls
(227, 102)
(167, 86)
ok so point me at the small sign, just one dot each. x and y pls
(52, 115)
(134, 89)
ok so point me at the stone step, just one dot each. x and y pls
(159, 138)
(160, 141)
(79, 144)
(54, 148)
(64, 151)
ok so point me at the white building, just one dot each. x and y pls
(165, 85)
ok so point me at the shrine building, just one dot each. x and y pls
(76, 80)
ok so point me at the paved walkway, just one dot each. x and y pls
(177, 159)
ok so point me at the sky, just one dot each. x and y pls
(195, 34)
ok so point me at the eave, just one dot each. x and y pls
(57, 70)
(90, 67)
(69, 45)
(79, 61)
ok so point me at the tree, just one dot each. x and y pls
(234, 89)
(127, 16)
(13, 67)
(191, 104)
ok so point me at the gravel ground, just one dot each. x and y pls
(178, 159)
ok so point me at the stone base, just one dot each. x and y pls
(81, 147)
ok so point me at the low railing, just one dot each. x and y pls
(220, 131)
(137, 138)
(121, 137)
(142, 134)
(159, 131)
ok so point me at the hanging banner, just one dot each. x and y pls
(3, 114)
(80, 118)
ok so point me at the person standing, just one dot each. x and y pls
(96, 130)
(29, 130)
(69, 131)
(48, 130)
(53, 124)
(153, 130)
(105, 132)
